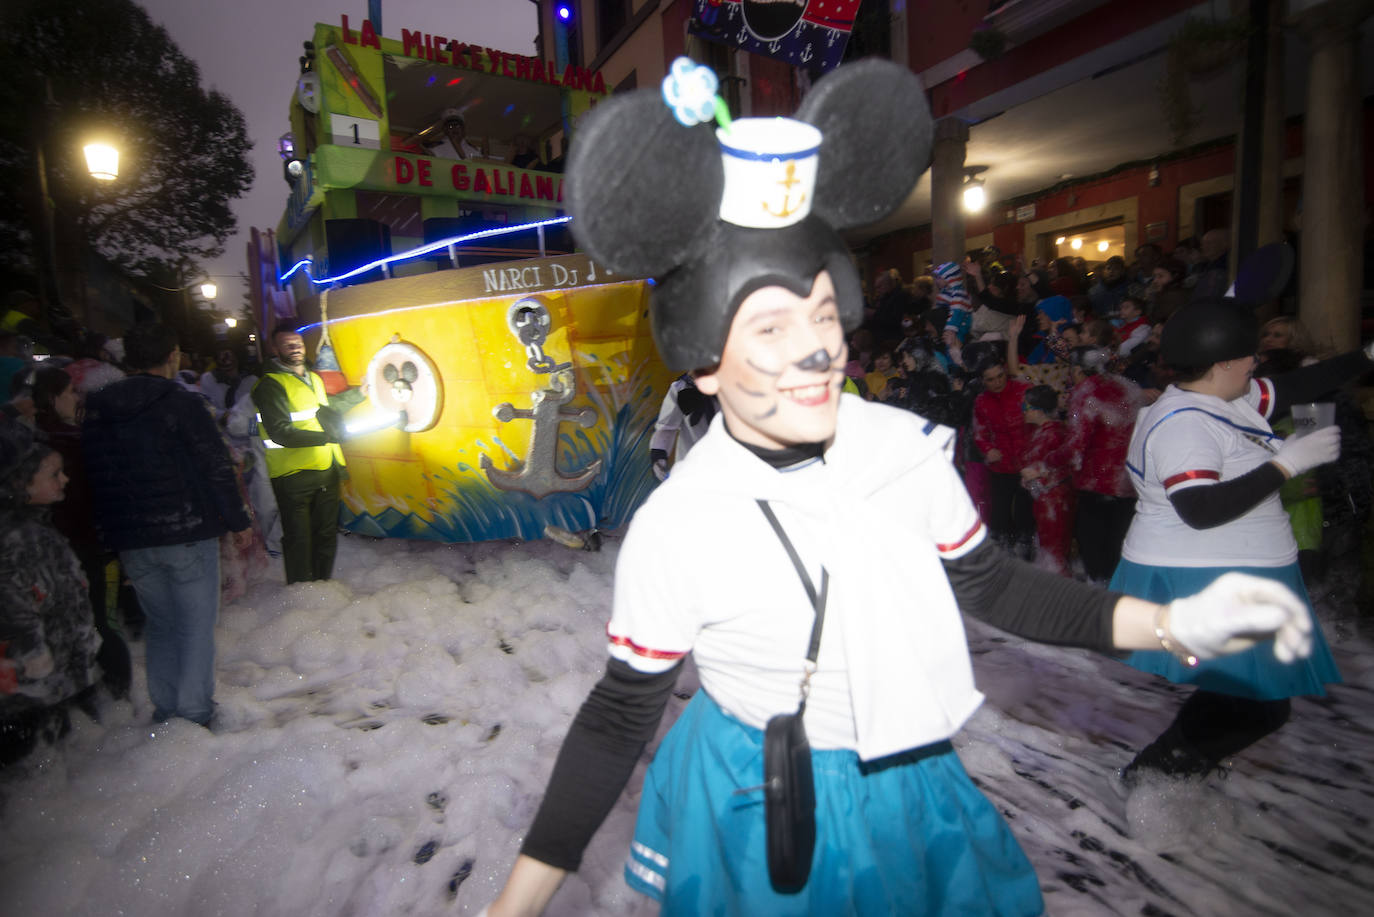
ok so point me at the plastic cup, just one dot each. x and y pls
(1314, 416)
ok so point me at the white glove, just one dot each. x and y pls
(661, 469)
(1303, 453)
(1237, 611)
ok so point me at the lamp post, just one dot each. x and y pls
(207, 290)
(102, 164)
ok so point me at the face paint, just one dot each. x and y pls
(780, 375)
(816, 363)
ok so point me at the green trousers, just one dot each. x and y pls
(309, 505)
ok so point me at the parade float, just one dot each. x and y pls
(512, 382)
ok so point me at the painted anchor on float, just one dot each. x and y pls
(538, 475)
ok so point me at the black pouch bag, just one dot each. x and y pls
(789, 799)
(789, 792)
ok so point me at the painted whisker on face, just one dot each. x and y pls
(763, 369)
(750, 392)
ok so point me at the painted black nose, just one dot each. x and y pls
(816, 362)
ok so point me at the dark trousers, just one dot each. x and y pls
(113, 654)
(1209, 728)
(309, 504)
(1100, 528)
(1011, 520)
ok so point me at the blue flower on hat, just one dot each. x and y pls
(690, 91)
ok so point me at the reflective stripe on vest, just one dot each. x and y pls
(305, 399)
(295, 415)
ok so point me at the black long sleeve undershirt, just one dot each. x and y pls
(617, 719)
(624, 709)
(1312, 382)
(1207, 506)
(1012, 595)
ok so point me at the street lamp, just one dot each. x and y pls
(975, 197)
(209, 290)
(102, 161)
(231, 322)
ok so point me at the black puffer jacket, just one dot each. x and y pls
(159, 472)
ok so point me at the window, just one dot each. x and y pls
(1094, 244)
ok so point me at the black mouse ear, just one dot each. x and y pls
(876, 135)
(642, 189)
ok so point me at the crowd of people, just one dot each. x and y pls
(1105, 424)
(140, 487)
(984, 345)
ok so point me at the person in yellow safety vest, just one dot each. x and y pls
(302, 426)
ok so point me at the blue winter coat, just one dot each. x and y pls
(159, 471)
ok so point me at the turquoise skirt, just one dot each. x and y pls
(909, 834)
(1255, 673)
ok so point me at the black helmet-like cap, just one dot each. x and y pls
(1207, 332)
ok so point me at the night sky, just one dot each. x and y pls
(248, 50)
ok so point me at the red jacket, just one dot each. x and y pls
(1102, 411)
(1046, 446)
(999, 424)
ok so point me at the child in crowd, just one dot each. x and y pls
(1047, 475)
(1134, 327)
(48, 640)
(952, 295)
(883, 370)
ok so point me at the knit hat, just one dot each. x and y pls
(1056, 308)
(949, 272)
(714, 215)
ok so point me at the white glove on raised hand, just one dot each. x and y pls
(1237, 611)
(1303, 453)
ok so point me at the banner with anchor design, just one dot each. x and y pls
(803, 33)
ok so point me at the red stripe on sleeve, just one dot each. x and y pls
(641, 650)
(1191, 476)
(954, 546)
(1266, 397)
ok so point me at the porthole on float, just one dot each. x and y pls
(402, 378)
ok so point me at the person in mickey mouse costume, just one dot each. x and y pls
(754, 293)
(1207, 469)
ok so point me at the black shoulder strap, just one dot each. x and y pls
(817, 600)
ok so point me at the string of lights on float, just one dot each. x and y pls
(429, 248)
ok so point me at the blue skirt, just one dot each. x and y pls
(909, 834)
(1255, 673)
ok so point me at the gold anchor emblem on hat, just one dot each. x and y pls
(788, 180)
